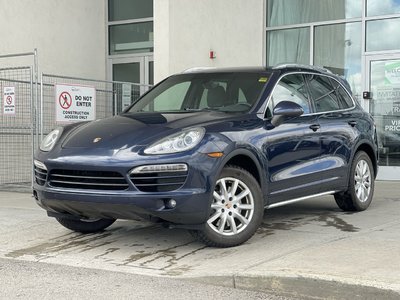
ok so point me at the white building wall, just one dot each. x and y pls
(186, 30)
(70, 35)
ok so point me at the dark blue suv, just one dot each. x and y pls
(209, 150)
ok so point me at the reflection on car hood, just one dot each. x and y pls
(132, 129)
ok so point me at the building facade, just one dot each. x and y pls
(144, 41)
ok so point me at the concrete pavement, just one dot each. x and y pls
(308, 249)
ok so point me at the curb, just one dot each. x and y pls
(301, 287)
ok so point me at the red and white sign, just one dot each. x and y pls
(75, 103)
(9, 100)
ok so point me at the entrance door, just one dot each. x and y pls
(384, 85)
(137, 70)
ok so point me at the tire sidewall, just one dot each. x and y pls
(356, 202)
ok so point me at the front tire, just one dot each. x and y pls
(85, 225)
(361, 186)
(236, 209)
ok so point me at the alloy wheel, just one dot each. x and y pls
(232, 208)
(362, 178)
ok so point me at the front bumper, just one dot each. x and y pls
(192, 205)
(192, 199)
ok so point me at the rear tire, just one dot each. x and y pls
(85, 225)
(361, 185)
(237, 209)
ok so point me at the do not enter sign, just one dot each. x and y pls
(9, 100)
(65, 100)
(75, 103)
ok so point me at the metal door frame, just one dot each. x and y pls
(385, 172)
(144, 68)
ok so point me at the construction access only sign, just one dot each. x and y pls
(75, 103)
(9, 100)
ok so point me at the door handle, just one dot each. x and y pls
(315, 127)
(352, 123)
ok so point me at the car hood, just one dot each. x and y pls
(128, 130)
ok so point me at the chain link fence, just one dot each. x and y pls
(32, 114)
(17, 121)
(111, 97)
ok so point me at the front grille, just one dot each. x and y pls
(93, 180)
(40, 175)
(159, 181)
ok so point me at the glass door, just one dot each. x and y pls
(136, 70)
(383, 74)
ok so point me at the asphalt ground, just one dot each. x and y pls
(306, 250)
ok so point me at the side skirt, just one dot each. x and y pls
(299, 199)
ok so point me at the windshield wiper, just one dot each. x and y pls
(197, 109)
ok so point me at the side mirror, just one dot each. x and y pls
(285, 109)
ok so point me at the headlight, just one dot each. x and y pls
(178, 142)
(50, 140)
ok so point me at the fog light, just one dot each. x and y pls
(171, 203)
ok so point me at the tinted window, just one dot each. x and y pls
(228, 92)
(290, 88)
(343, 97)
(170, 99)
(323, 93)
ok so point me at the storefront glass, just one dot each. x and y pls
(337, 47)
(383, 35)
(287, 12)
(131, 38)
(385, 107)
(382, 7)
(288, 46)
(129, 9)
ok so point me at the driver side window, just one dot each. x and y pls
(289, 88)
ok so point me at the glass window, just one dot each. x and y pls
(128, 72)
(338, 48)
(290, 88)
(215, 87)
(288, 46)
(385, 108)
(287, 12)
(211, 91)
(170, 99)
(383, 35)
(322, 93)
(131, 38)
(129, 9)
(344, 98)
(379, 7)
(151, 72)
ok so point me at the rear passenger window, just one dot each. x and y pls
(290, 88)
(345, 99)
(323, 93)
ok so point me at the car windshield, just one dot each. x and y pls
(227, 92)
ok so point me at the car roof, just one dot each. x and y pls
(281, 68)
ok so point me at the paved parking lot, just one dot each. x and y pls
(310, 248)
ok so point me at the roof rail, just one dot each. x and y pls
(315, 68)
(197, 69)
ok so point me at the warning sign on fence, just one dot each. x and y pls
(9, 100)
(75, 103)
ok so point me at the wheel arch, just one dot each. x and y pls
(250, 162)
(369, 149)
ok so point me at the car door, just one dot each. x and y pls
(337, 119)
(293, 147)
